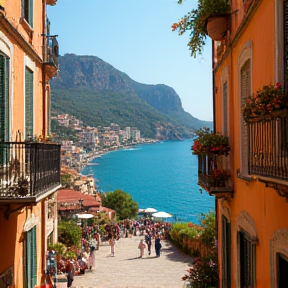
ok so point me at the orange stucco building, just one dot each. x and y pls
(252, 209)
(29, 167)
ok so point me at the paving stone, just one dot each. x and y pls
(126, 270)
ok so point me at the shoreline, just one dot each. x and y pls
(98, 154)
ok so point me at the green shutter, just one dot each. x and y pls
(4, 98)
(30, 12)
(31, 257)
(28, 103)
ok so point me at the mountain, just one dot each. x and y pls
(98, 94)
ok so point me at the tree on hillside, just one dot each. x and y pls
(122, 203)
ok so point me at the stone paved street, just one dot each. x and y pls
(126, 270)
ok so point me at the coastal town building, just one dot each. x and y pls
(94, 141)
(29, 165)
(252, 208)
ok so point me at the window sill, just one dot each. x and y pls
(26, 26)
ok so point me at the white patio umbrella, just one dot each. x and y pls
(150, 210)
(162, 214)
(85, 216)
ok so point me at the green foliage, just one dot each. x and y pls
(208, 223)
(65, 180)
(104, 95)
(63, 133)
(69, 233)
(196, 21)
(71, 255)
(180, 231)
(59, 248)
(122, 203)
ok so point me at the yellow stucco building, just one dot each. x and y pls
(29, 167)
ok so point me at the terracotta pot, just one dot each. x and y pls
(217, 27)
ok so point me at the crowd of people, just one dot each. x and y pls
(93, 237)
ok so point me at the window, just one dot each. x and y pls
(27, 11)
(225, 108)
(247, 260)
(4, 98)
(28, 103)
(245, 85)
(282, 271)
(30, 259)
(226, 253)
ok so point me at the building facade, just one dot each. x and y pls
(252, 208)
(29, 166)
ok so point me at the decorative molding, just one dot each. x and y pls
(225, 211)
(278, 245)
(245, 221)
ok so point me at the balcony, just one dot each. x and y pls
(268, 148)
(51, 56)
(212, 179)
(28, 171)
(51, 2)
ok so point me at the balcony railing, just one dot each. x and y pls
(51, 55)
(28, 170)
(210, 178)
(268, 148)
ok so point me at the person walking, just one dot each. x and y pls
(148, 242)
(157, 246)
(91, 259)
(112, 245)
(70, 273)
(141, 247)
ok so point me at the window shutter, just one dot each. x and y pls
(4, 98)
(31, 268)
(225, 109)
(285, 11)
(28, 103)
(226, 254)
(30, 12)
(245, 91)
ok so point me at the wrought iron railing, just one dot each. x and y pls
(210, 177)
(28, 169)
(52, 51)
(268, 148)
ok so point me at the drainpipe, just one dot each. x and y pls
(44, 128)
(43, 208)
(214, 129)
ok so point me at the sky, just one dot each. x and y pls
(135, 37)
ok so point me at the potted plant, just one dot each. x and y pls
(200, 22)
(264, 103)
(209, 142)
(218, 178)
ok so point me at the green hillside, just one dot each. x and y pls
(98, 94)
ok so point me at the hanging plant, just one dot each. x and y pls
(209, 142)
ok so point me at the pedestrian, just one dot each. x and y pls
(157, 246)
(141, 247)
(148, 242)
(91, 259)
(70, 273)
(112, 245)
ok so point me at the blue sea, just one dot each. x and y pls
(161, 175)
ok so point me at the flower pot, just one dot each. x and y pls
(217, 27)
